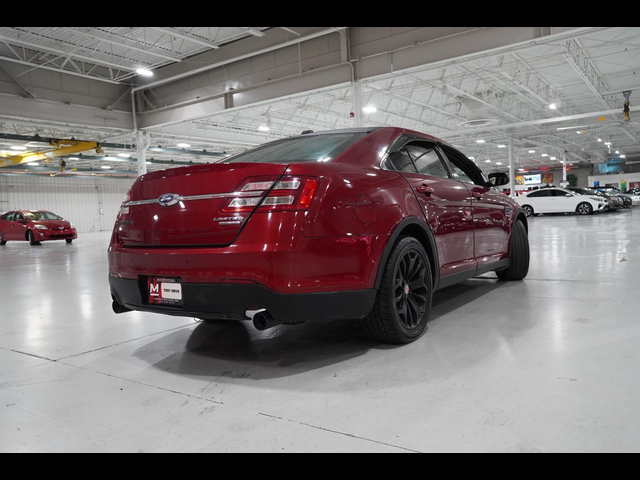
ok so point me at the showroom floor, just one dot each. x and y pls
(547, 365)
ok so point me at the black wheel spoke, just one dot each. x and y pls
(411, 292)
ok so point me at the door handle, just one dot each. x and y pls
(426, 190)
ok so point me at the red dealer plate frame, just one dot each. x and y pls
(167, 292)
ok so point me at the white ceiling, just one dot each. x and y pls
(580, 76)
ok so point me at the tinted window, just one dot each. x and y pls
(427, 160)
(463, 168)
(401, 162)
(558, 193)
(311, 148)
(540, 194)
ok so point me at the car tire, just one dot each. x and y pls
(69, 242)
(520, 256)
(585, 209)
(403, 305)
(529, 211)
(32, 239)
(3, 242)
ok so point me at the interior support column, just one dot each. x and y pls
(143, 142)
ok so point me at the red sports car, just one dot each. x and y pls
(338, 225)
(35, 226)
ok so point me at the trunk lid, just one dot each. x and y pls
(183, 207)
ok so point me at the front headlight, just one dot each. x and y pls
(41, 227)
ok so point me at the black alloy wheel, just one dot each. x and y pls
(412, 292)
(403, 305)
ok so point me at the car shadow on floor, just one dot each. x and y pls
(237, 351)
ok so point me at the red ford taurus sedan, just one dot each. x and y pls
(338, 225)
(35, 227)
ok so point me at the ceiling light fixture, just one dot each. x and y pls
(34, 164)
(124, 155)
(487, 161)
(553, 106)
(369, 109)
(144, 72)
(481, 141)
(265, 126)
(553, 159)
(184, 145)
(106, 167)
(499, 164)
(18, 148)
(532, 152)
(502, 146)
(545, 155)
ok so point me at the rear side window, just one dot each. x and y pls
(558, 193)
(401, 162)
(427, 160)
(311, 148)
(8, 217)
(540, 194)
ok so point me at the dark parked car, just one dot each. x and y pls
(332, 226)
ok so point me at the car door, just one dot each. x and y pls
(10, 232)
(491, 210)
(446, 204)
(563, 202)
(19, 228)
(540, 201)
(5, 225)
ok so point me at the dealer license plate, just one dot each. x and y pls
(165, 291)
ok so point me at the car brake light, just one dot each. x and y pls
(289, 194)
(125, 210)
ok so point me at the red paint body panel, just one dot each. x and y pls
(17, 231)
(335, 245)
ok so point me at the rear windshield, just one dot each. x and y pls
(312, 148)
(42, 216)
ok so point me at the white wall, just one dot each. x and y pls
(631, 178)
(91, 204)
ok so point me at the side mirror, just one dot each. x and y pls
(499, 179)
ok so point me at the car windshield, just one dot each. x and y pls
(42, 216)
(311, 148)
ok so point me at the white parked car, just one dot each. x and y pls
(614, 191)
(559, 200)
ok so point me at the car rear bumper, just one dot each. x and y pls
(231, 302)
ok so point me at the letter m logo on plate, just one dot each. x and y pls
(154, 290)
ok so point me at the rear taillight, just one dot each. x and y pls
(125, 210)
(288, 194)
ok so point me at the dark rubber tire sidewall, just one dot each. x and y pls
(520, 255)
(383, 323)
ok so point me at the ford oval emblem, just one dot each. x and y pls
(169, 200)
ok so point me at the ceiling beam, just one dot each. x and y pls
(187, 36)
(92, 33)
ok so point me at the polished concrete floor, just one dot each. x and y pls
(547, 365)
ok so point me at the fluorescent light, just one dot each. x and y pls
(149, 163)
(600, 140)
(265, 126)
(124, 155)
(553, 106)
(532, 151)
(73, 158)
(487, 161)
(617, 153)
(34, 164)
(370, 109)
(184, 145)
(553, 158)
(545, 155)
(579, 132)
(499, 164)
(481, 141)
(18, 148)
(623, 156)
(502, 146)
(144, 72)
